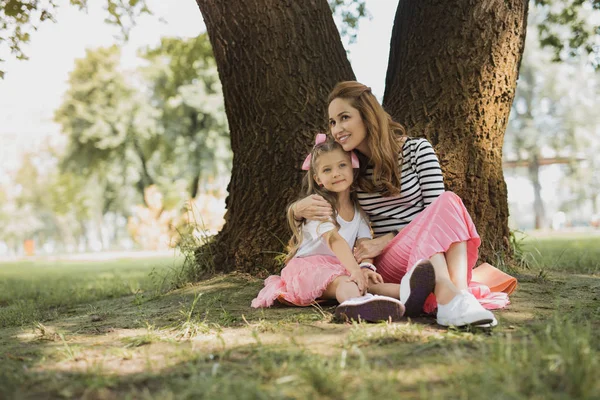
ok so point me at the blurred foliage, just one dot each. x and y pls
(160, 129)
(554, 114)
(151, 225)
(20, 18)
(570, 28)
(45, 204)
(349, 13)
(186, 92)
(110, 126)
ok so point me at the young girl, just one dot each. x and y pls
(320, 263)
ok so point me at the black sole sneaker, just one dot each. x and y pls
(416, 286)
(373, 309)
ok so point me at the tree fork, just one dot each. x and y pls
(451, 77)
(277, 61)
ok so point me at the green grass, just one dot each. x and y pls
(43, 290)
(555, 360)
(577, 253)
(107, 336)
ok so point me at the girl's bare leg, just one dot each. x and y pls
(385, 289)
(341, 290)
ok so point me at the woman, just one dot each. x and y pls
(401, 188)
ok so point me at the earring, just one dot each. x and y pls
(321, 185)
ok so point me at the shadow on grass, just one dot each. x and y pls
(549, 361)
(204, 341)
(286, 369)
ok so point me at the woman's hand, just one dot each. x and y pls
(358, 278)
(371, 276)
(313, 207)
(370, 248)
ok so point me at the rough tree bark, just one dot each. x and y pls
(277, 61)
(451, 78)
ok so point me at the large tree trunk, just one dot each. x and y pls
(277, 60)
(451, 78)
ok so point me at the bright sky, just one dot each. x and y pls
(33, 89)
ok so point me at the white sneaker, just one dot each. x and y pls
(492, 324)
(463, 309)
(371, 308)
(358, 300)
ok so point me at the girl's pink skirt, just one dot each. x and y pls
(302, 281)
(443, 222)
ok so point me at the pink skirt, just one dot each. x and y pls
(302, 281)
(443, 222)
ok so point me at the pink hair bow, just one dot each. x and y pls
(321, 138)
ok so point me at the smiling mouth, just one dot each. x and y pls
(343, 138)
(336, 182)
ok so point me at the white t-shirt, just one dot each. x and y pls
(314, 244)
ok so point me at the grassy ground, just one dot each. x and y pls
(43, 290)
(103, 331)
(575, 253)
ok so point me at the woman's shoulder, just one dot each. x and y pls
(415, 144)
(415, 141)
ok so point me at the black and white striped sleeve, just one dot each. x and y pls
(429, 172)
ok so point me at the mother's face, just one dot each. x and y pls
(347, 126)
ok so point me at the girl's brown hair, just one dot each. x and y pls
(383, 138)
(309, 187)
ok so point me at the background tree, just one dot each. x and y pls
(23, 214)
(583, 181)
(348, 14)
(535, 125)
(570, 28)
(39, 208)
(552, 114)
(108, 124)
(186, 92)
(159, 126)
(582, 121)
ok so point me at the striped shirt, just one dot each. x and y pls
(421, 183)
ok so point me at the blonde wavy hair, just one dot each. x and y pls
(309, 187)
(384, 138)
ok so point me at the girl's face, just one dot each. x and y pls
(347, 126)
(334, 171)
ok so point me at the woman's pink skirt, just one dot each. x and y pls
(443, 222)
(302, 281)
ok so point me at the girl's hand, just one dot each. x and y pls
(369, 248)
(313, 207)
(358, 278)
(371, 276)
